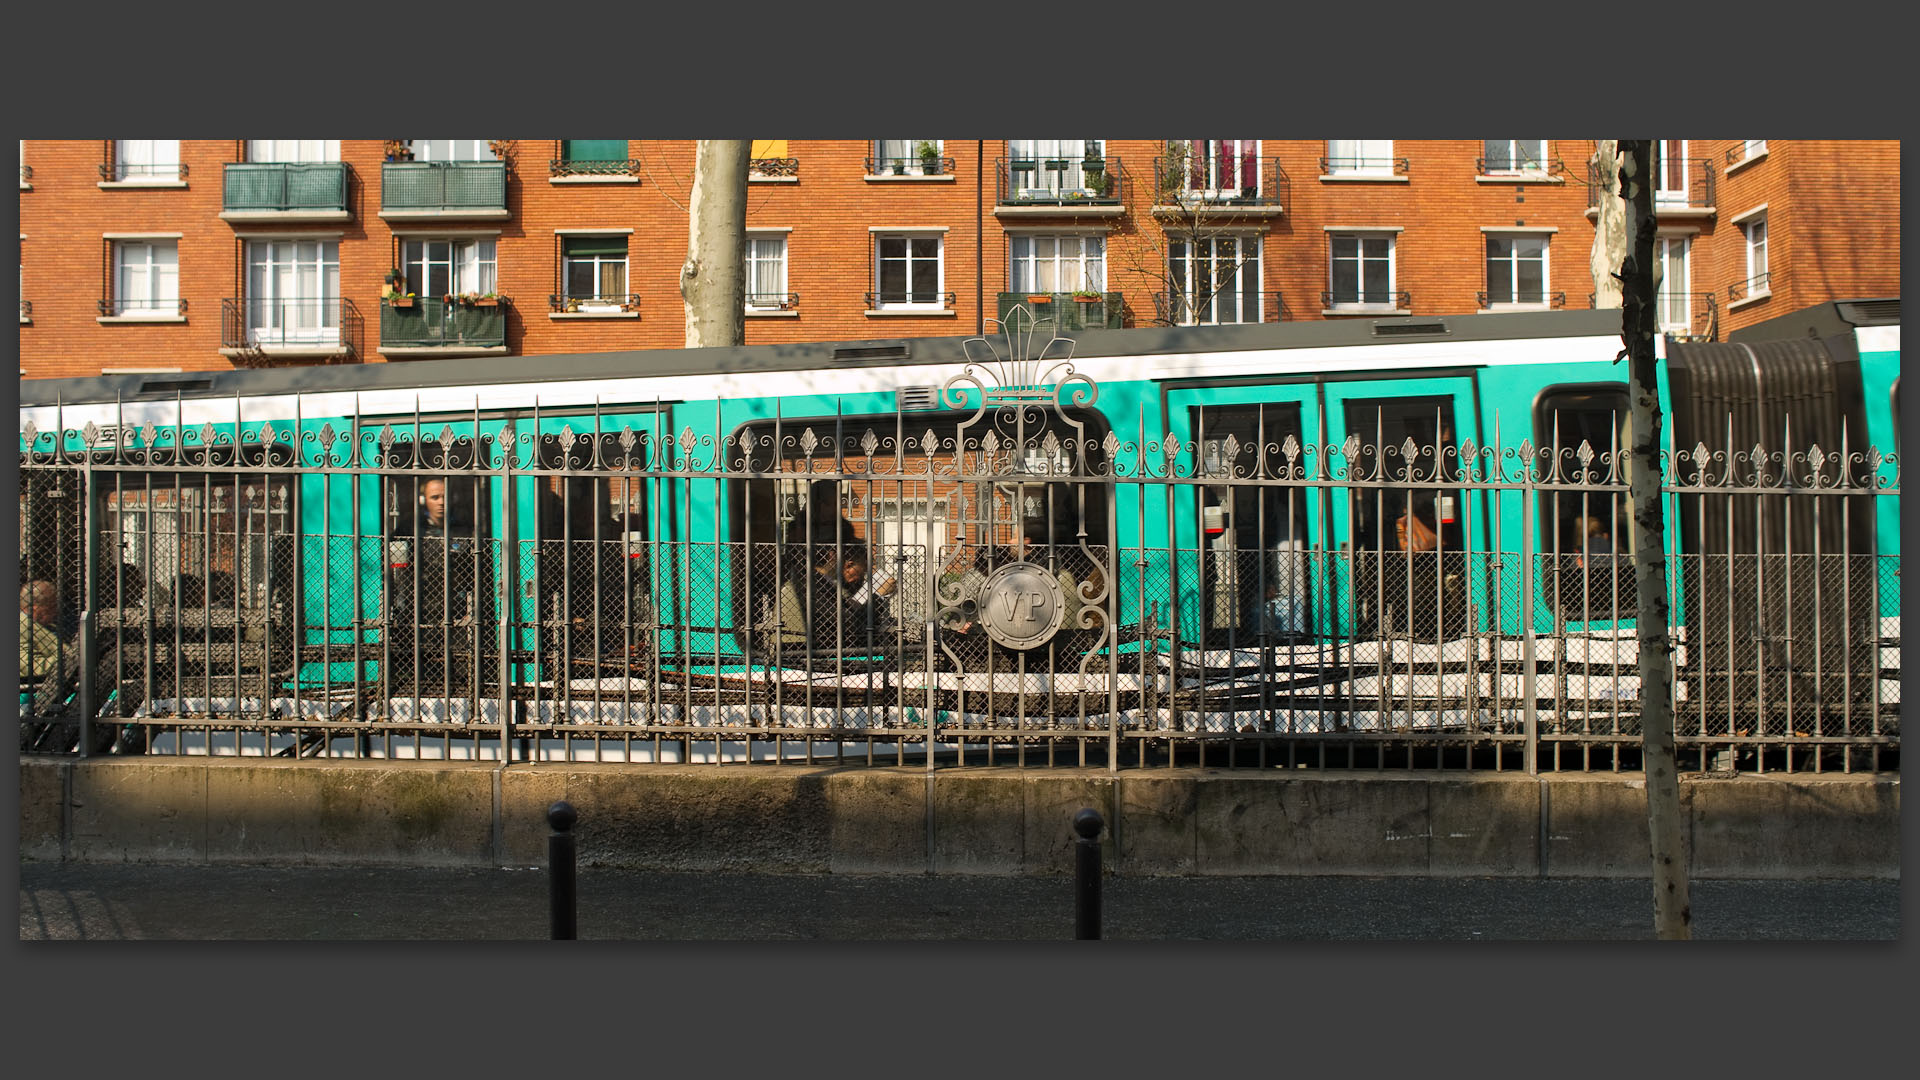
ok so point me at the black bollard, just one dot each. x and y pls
(560, 892)
(1086, 866)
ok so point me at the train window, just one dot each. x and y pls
(195, 539)
(592, 532)
(1384, 427)
(1254, 577)
(1583, 534)
(900, 509)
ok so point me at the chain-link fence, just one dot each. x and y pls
(1010, 585)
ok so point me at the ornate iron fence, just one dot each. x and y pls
(1005, 580)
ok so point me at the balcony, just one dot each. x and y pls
(1364, 168)
(1552, 300)
(608, 306)
(1066, 313)
(443, 189)
(26, 311)
(1181, 309)
(1685, 190)
(1693, 316)
(286, 191)
(1252, 187)
(1090, 186)
(773, 303)
(1526, 169)
(608, 170)
(421, 326)
(900, 167)
(307, 329)
(919, 303)
(770, 169)
(1367, 302)
(1757, 287)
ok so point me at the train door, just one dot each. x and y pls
(1249, 555)
(1399, 441)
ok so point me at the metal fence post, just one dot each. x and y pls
(560, 890)
(1086, 885)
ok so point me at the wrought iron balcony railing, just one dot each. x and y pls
(443, 185)
(910, 301)
(1523, 167)
(909, 166)
(1246, 183)
(1552, 300)
(294, 324)
(141, 307)
(432, 321)
(1681, 184)
(768, 168)
(1084, 181)
(1367, 300)
(1737, 153)
(592, 305)
(773, 301)
(1363, 166)
(131, 170)
(1228, 308)
(1066, 310)
(1760, 284)
(277, 185)
(610, 167)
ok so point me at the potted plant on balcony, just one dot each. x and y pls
(1088, 296)
(398, 150)
(929, 158)
(1039, 298)
(487, 300)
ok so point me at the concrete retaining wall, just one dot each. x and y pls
(973, 821)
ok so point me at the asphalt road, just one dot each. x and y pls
(121, 902)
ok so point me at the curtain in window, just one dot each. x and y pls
(149, 278)
(143, 159)
(293, 150)
(1360, 155)
(766, 263)
(451, 150)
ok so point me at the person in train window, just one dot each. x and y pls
(1423, 588)
(829, 604)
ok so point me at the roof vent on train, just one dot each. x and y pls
(1871, 312)
(872, 350)
(915, 398)
(1410, 328)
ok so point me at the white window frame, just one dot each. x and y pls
(1359, 236)
(293, 151)
(451, 150)
(909, 156)
(1025, 259)
(471, 262)
(1249, 244)
(596, 302)
(1662, 193)
(146, 161)
(1360, 157)
(766, 251)
(158, 279)
(881, 240)
(1212, 184)
(1513, 264)
(1753, 236)
(1674, 312)
(293, 291)
(1515, 154)
(1037, 158)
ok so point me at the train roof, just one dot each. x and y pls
(633, 363)
(1822, 320)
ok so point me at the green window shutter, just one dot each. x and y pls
(594, 149)
(593, 245)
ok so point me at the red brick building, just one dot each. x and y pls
(193, 255)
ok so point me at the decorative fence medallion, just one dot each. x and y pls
(1022, 606)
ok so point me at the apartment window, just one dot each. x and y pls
(1361, 269)
(1670, 258)
(1360, 156)
(146, 159)
(1670, 182)
(767, 272)
(1758, 279)
(1222, 168)
(1216, 280)
(594, 272)
(908, 270)
(296, 151)
(1051, 167)
(1516, 269)
(1755, 147)
(438, 267)
(906, 157)
(293, 290)
(1047, 264)
(146, 277)
(451, 150)
(1515, 155)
